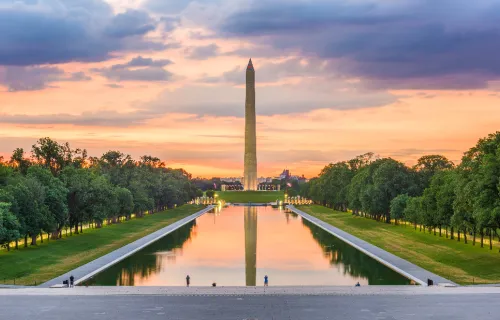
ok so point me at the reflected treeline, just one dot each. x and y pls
(290, 214)
(356, 263)
(145, 262)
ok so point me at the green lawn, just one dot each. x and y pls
(250, 196)
(459, 262)
(45, 261)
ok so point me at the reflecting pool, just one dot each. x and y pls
(238, 246)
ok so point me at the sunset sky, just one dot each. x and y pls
(335, 79)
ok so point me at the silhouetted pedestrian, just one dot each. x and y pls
(188, 280)
(266, 282)
(71, 281)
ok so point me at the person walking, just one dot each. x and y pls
(188, 280)
(71, 281)
(266, 282)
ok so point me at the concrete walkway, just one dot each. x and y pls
(251, 291)
(256, 307)
(88, 270)
(407, 269)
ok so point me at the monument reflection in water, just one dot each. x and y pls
(250, 245)
(238, 246)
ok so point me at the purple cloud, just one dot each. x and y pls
(17, 78)
(202, 52)
(56, 31)
(138, 69)
(403, 44)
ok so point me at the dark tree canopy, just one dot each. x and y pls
(434, 193)
(59, 188)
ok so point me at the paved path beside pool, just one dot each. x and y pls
(397, 264)
(88, 270)
(252, 291)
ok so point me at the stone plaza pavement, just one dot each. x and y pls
(404, 267)
(257, 303)
(86, 271)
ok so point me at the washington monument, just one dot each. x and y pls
(250, 174)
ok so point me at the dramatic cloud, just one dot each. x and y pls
(168, 6)
(171, 6)
(139, 61)
(101, 118)
(79, 76)
(35, 78)
(399, 44)
(274, 71)
(138, 69)
(56, 31)
(130, 23)
(259, 51)
(202, 52)
(114, 86)
(222, 100)
(169, 24)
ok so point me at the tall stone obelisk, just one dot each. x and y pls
(250, 171)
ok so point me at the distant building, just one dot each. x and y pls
(231, 179)
(265, 180)
(285, 174)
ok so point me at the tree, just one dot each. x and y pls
(210, 193)
(361, 161)
(9, 226)
(199, 193)
(49, 154)
(412, 210)
(61, 187)
(102, 202)
(374, 186)
(5, 174)
(335, 180)
(463, 207)
(398, 206)
(19, 162)
(55, 199)
(32, 212)
(77, 181)
(428, 166)
(125, 202)
(478, 194)
(354, 190)
(314, 190)
(439, 198)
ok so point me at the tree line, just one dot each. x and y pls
(435, 194)
(59, 188)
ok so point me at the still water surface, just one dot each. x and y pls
(238, 246)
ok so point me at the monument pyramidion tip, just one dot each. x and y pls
(250, 65)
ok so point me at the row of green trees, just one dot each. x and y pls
(62, 188)
(434, 194)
